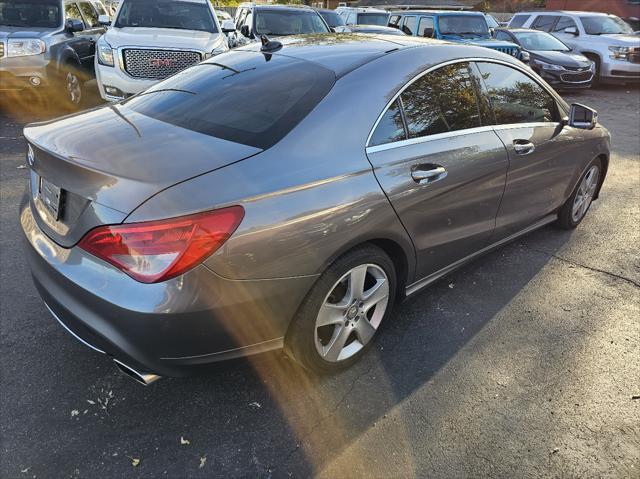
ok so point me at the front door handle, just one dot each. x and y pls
(523, 147)
(428, 173)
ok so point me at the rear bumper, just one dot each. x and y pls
(170, 329)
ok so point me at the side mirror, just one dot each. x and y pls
(571, 31)
(428, 33)
(104, 20)
(583, 117)
(492, 32)
(525, 57)
(228, 26)
(244, 29)
(73, 25)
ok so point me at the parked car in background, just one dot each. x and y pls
(550, 58)
(151, 40)
(605, 39)
(334, 21)
(253, 21)
(289, 198)
(48, 44)
(222, 16)
(461, 27)
(375, 29)
(363, 16)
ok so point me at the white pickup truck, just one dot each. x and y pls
(150, 40)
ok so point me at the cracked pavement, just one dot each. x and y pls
(522, 364)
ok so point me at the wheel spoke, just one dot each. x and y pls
(377, 293)
(356, 282)
(330, 314)
(334, 348)
(364, 331)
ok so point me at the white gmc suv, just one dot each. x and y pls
(604, 39)
(151, 40)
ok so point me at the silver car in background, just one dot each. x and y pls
(266, 199)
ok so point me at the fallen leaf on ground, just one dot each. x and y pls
(90, 401)
(75, 412)
(184, 441)
(23, 471)
(22, 167)
(203, 461)
(134, 461)
(255, 404)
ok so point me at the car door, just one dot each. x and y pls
(409, 25)
(541, 150)
(93, 30)
(76, 40)
(443, 171)
(426, 27)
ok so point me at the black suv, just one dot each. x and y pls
(49, 43)
(253, 20)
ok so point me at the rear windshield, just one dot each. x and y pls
(373, 19)
(31, 13)
(181, 15)
(254, 99)
(282, 22)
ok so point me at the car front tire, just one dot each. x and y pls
(575, 208)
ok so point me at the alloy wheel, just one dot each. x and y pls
(586, 191)
(74, 89)
(352, 312)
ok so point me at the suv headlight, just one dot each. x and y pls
(22, 47)
(105, 53)
(619, 53)
(549, 66)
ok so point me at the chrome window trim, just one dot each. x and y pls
(521, 69)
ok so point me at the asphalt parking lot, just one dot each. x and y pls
(525, 363)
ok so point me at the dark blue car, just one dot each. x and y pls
(462, 27)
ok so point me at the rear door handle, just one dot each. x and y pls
(428, 173)
(523, 147)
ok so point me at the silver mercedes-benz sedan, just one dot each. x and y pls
(288, 195)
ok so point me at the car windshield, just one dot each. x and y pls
(602, 25)
(182, 15)
(244, 97)
(463, 25)
(332, 19)
(540, 41)
(373, 19)
(492, 22)
(31, 13)
(292, 22)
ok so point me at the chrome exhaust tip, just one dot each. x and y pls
(143, 378)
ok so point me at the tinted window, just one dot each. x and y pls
(441, 101)
(409, 26)
(183, 15)
(30, 13)
(515, 97)
(89, 13)
(518, 21)
(503, 36)
(426, 23)
(564, 22)
(252, 100)
(544, 22)
(390, 128)
(293, 22)
(373, 19)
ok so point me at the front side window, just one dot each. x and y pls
(604, 25)
(72, 12)
(441, 101)
(409, 26)
(394, 21)
(89, 14)
(294, 22)
(30, 13)
(373, 19)
(183, 15)
(564, 22)
(518, 20)
(390, 127)
(540, 41)
(241, 97)
(544, 22)
(503, 36)
(425, 27)
(515, 97)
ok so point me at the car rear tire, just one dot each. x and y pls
(340, 316)
(574, 210)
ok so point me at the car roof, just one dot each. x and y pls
(343, 53)
(436, 12)
(564, 12)
(505, 29)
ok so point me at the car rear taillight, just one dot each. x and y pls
(158, 250)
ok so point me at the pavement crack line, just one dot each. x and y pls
(590, 268)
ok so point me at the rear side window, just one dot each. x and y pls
(515, 97)
(250, 100)
(441, 101)
(425, 27)
(544, 22)
(564, 22)
(409, 26)
(390, 128)
(518, 20)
